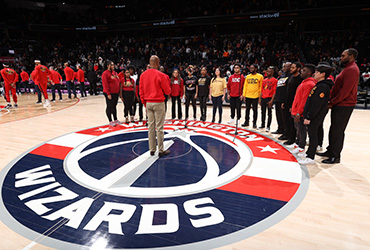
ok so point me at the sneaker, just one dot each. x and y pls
(15, 105)
(255, 126)
(245, 124)
(307, 161)
(231, 121)
(297, 150)
(117, 122)
(152, 153)
(292, 146)
(302, 155)
(166, 152)
(60, 100)
(112, 124)
(53, 100)
(319, 149)
(8, 106)
(39, 102)
(47, 104)
(127, 120)
(261, 127)
(267, 130)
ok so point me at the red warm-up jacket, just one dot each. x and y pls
(55, 77)
(69, 73)
(41, 74)
(301, 95)
(24, 76)
(235, 85)
(80, 75)
(9, 75)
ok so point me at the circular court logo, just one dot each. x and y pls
(100, 188)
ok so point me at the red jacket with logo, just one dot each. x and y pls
(127, 84)
(9, 75)
(80, 75)
(110, 82)
(235, 85)
(25, 76)
(301, 95)
(153, 86)
(41, 74)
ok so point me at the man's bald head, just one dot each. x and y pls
(154, 62)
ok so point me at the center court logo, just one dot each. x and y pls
(101, 188)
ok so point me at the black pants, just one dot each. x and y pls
(280, 117)
(111, 109)
(203, 107)
(82, 89)
(190, 98)
(128, 99)
(93, 88)
(26, 87)
(289, 125)
(264, 107)
(235, 104)
(18, 87)
(56, 87)
(177, 99)
(339, 120)
(301, 133)
(217, 104)
(313, 130)
(70, 87)
(137, 100)
(38, 91)
(251, 102)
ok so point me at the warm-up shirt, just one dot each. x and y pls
(344, 92)
(218, 85)
(252, 86)
(203, 85)
(9, 75)
(235, 85)
(316, 105)
(80, 75)
(41, 74)
(177, 87)
(110, 82)
(301, 95)
(55, 76)
(153, 86)
(292, 84)
(24, 76)
(190, 84)
(69, 73)
(268, 87)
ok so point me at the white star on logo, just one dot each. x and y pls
(103, 129)
(268, 149)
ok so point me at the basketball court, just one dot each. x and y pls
(71, 182)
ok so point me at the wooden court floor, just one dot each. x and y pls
(335, 213)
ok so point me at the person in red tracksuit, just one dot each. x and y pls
(9, 76)
(111, 88)
(235, 92)
(69, 73)
(41, 74)
(81, 79)
(299, 102)
(267, 96)
(55, 79)
(25, 78)
(153, 86)
(177, 92)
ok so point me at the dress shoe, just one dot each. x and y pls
(283, 137)
(325, 154)
(152, 153)
(331, 160)
(166, 152)
(288, 142)
(245, 124)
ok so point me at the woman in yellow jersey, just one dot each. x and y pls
(217, 93)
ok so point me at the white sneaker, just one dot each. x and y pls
(47, 104)
(117, 122)
(112, 124)
(319, 149)
(231, 121)
(297, 150)
(292, 146)
(267, 130)
(302, 155)
(307, 161)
